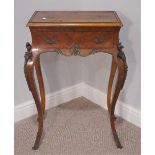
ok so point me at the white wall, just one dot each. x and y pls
(61, 72)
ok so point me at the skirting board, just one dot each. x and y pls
(28, 109)
(123, 110)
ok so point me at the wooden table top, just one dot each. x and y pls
(75, 18)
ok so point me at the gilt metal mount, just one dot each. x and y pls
(28, 55)
(52, 40)
(75, 49)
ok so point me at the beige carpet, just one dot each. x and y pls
(78, 127)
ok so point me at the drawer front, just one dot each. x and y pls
(67, 40)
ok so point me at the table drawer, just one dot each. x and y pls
(67, 40)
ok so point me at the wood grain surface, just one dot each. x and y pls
(83, 18)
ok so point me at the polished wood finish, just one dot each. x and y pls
(112, 75)
(74, 18)
(74, 33)
(29, 75)
(64, 40)
(41, 83)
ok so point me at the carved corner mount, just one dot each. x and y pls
(122, 56)
(28, 55)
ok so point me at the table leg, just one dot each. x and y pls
(122, 72)
(29, 75)
(112, 75)
(41, 83)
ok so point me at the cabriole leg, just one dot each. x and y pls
(122, 72)
(112, 75)
(41, 82)
(29, 75)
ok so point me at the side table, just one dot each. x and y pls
(74, 33)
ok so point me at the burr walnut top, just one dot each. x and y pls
(75, 18)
